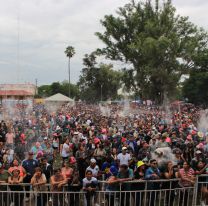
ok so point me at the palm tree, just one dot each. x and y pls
(69, 53)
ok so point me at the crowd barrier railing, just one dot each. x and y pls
(131, 193)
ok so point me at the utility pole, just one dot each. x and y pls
(36, 86)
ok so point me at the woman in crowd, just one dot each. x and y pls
(15, 180)
(38, 182)
(66, 150)
(48, 152)
(66, 170)
(179, 158)
(139, 186)
(170, 174)
(187, 180)
(114, 154)
(81, 157)
(15, 165)
(99, 154)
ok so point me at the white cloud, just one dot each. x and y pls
(47, 27)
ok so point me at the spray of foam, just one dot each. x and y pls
(13, 109)
(52, 107)
(166, 107)
(126, 111)
(105, 110)
(163, 155)
(203, 121)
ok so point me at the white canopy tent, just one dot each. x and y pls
(58, 98)
(54, 102)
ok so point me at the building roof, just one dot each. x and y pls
(59, 98)
(15, 93)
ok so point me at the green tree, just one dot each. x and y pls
(157, 45)
(44, 91)
(195, 88)
(74, 89)
(69, 53)
(98, 81)
(57, 87)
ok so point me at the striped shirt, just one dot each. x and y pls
(186, 175)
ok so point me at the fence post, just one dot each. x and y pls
(195, 190)
(145, 193)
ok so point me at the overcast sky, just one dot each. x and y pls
(35, 33)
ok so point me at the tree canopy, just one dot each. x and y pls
(57, 87)
(157, 45)
(70, 52)
(98, 81)
(195, 88)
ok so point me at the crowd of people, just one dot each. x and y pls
(83, 145)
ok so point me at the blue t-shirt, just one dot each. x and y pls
(30, 165)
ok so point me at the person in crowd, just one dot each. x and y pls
(44, 143)
(152, 173)
(153, 145)
(162, 143)
(15, 165)
(179, 158)
(144, 151)
(48, 152)
(114, 154)
(57, 160)
(38, 182)
(124, 157)
(188, 152)
(46, 168)
(15, 180)
(106, 166)
(81, 156)
(57, 183)
(99, 154)
(10, 139)
(36, 148)
(66, 170)
(198, 157)
(132, 144)
(29, 165)
(187, 180)
(112, 186)
(74, 185)
(66, 151)
(90, 184)
(170, 174)
(94, 168)
(4, 176)
(139, 174)
(125, 174)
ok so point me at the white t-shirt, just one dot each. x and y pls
(87, 182)
(94, 170)
(65, 150)
(124, 159)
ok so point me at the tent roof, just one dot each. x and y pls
(59, 98)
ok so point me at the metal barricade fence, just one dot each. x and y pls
(131, 193)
